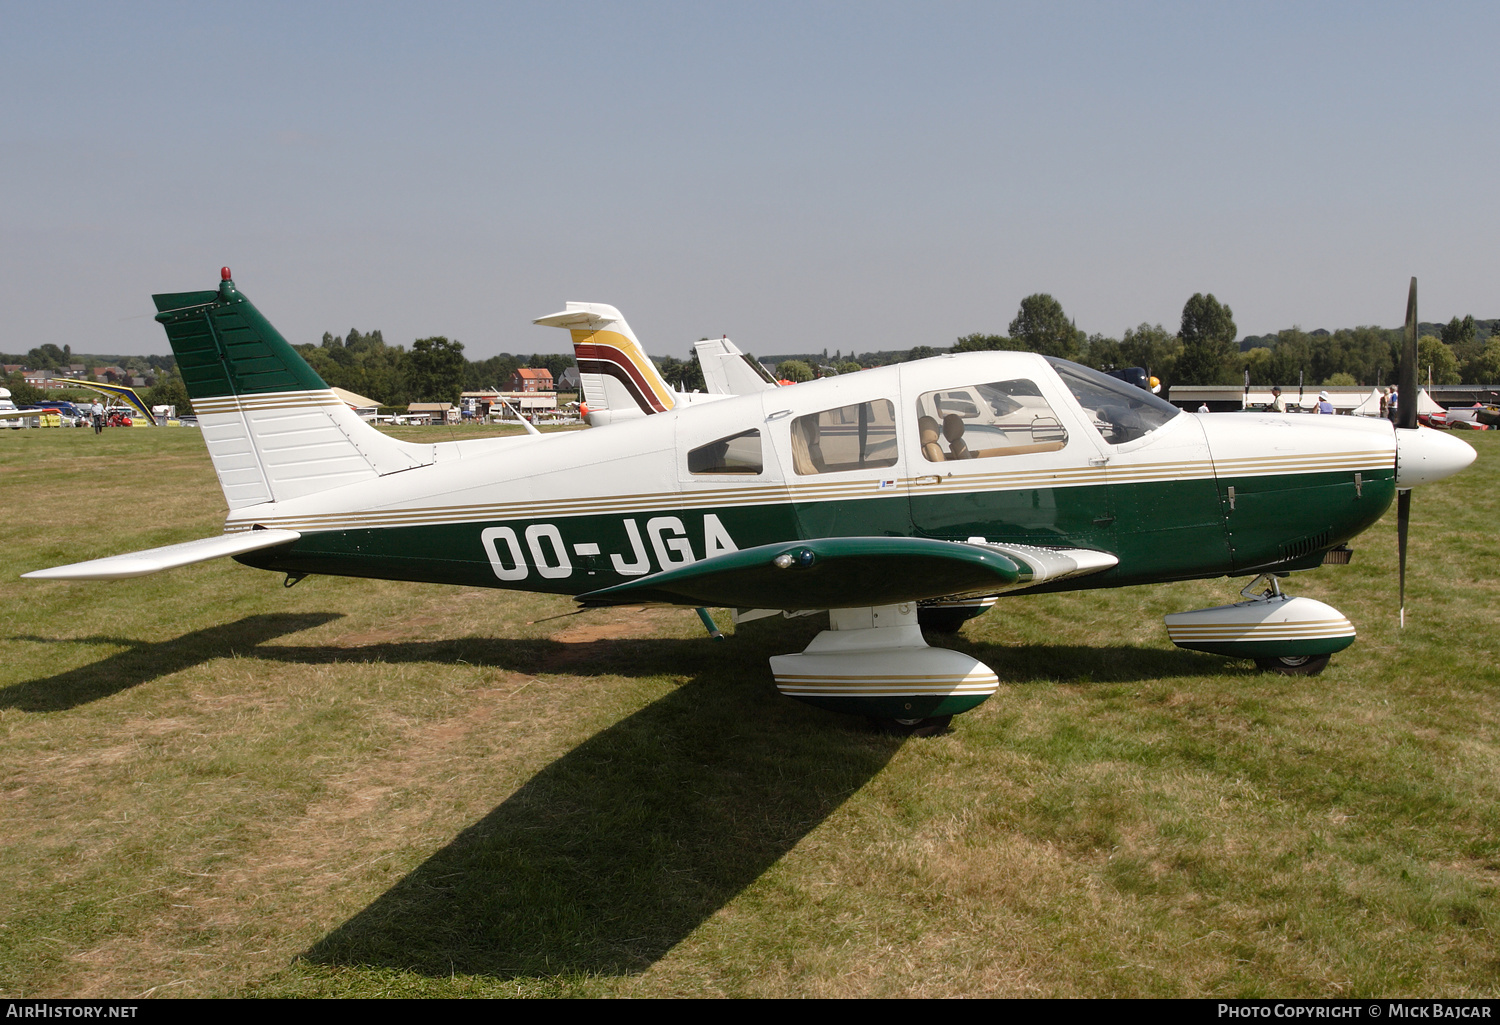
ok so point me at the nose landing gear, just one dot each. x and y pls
(1291, 636)
(1293, 665)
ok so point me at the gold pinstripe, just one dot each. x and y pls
(846, 692)
(773, 495)
(795, 490)
(271, 400)
(883, 686)
(1261, 631)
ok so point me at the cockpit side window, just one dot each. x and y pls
(857, 437)
(1003, 418)
(1121, 412)
(738, 453)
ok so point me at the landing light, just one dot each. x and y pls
(801, 559)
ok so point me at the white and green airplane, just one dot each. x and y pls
(871, 495)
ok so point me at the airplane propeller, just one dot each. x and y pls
(1422, 455)
(1406, 419)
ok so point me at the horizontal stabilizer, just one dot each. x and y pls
(825, 573)
(583, 317)
(152, 560)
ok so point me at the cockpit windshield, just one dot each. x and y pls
(1121, 412)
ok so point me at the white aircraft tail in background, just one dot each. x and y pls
(728, 371)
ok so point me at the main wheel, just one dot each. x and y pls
(931, 726)
(1294, 665)
(942, 621)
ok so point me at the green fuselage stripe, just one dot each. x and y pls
(1164, 530)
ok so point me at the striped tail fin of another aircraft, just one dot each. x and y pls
(619, 380)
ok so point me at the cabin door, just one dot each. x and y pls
(1003, 457)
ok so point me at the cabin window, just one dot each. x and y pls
(1121, 412)
(738, 453)
(1003, 418)
(857, 437)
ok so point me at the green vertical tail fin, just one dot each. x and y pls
(274, 430)
(225, 347)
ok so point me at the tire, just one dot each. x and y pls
(1294, 665)
(928, 727)
(942, 621)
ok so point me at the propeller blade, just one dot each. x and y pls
(1406, 419)
(1406, 380)
(1403, 520)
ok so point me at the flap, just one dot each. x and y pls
(825, 573)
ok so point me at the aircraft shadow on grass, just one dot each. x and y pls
(619, 850)
(143, 661)
(622, 848)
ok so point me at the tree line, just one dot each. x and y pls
(1204, 350)
(49, 357)
(432, 370)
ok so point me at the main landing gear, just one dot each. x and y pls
(875, 662)
(931, 726)
(945, 616)
(1291, 636)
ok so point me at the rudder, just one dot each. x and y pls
(274, 430)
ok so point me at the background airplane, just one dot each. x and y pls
(620, 382)
(959, 477)
(728, 371)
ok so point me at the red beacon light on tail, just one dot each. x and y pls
(224, 273)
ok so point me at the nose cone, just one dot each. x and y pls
(1424, 455)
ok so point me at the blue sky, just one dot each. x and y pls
(797, 176)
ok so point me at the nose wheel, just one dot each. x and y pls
(1290, 636)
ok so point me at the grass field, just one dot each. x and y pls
(214, 786)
